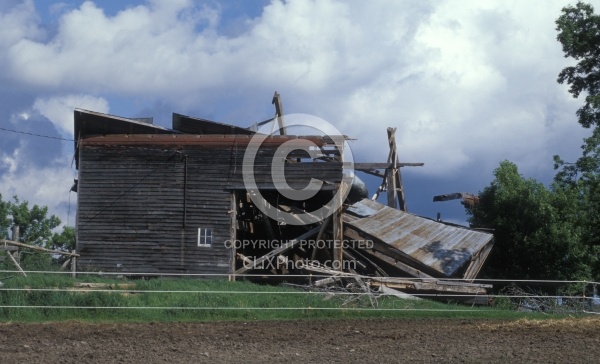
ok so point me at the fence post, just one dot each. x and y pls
(15, 233)
(74, 264)
(15, 237)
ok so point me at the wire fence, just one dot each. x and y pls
(127, 291)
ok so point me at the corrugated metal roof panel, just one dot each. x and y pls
(446, 249)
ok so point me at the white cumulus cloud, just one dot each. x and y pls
(466, 83)
(59, 110)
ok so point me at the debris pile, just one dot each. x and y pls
(384, 248)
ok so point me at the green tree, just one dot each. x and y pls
(5, 221)
(65, 241)
(535, 228)
(36, 227)
(579, 34)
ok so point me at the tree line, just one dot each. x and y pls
(553, 232)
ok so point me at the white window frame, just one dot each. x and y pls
(205, 237)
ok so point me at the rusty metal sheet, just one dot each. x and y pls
(446, 249)
(202, 140)
(98, 128)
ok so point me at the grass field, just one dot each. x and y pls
(55, 297)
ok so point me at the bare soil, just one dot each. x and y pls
(318, 341)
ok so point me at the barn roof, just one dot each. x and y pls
(178, 140)
(99, 128)
(191, 125)
(92, 123)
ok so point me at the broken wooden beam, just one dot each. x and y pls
(477, 262)
(311, 267)
(281, 249)
(395, 180)
(369, 166)
(388, 291)
(468, 200)
(39, 248)
(244, 258)
(279, 112)
(431, 285)
(413, 272)
(324, 282)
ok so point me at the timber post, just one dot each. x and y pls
(279, 112)
(15, 237)
(338, 229)
(233, 236)
(395, 188)
(74, 264)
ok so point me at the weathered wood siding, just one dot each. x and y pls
(131, 212)
(138, 211)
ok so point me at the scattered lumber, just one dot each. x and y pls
(385, 290)
(38, 248)
(384, 248)
(84, 285)
(282, 249)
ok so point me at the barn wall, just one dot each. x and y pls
(131, 211)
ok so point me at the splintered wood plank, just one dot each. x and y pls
(281, 249)
(365, 166)
(431, 285)
(396, 263)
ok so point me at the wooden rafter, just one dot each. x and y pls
(279, 112)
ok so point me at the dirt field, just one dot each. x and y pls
(339, 341)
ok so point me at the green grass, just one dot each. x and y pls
(207, 300)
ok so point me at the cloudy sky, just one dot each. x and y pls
(467, 84)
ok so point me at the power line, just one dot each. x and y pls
(37, 135)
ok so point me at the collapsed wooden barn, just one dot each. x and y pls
(153, 200)
(158, 201)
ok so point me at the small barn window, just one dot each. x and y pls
(205, 237)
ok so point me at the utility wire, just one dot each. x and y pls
(37, 135)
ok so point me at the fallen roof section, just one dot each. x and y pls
(433, 247)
